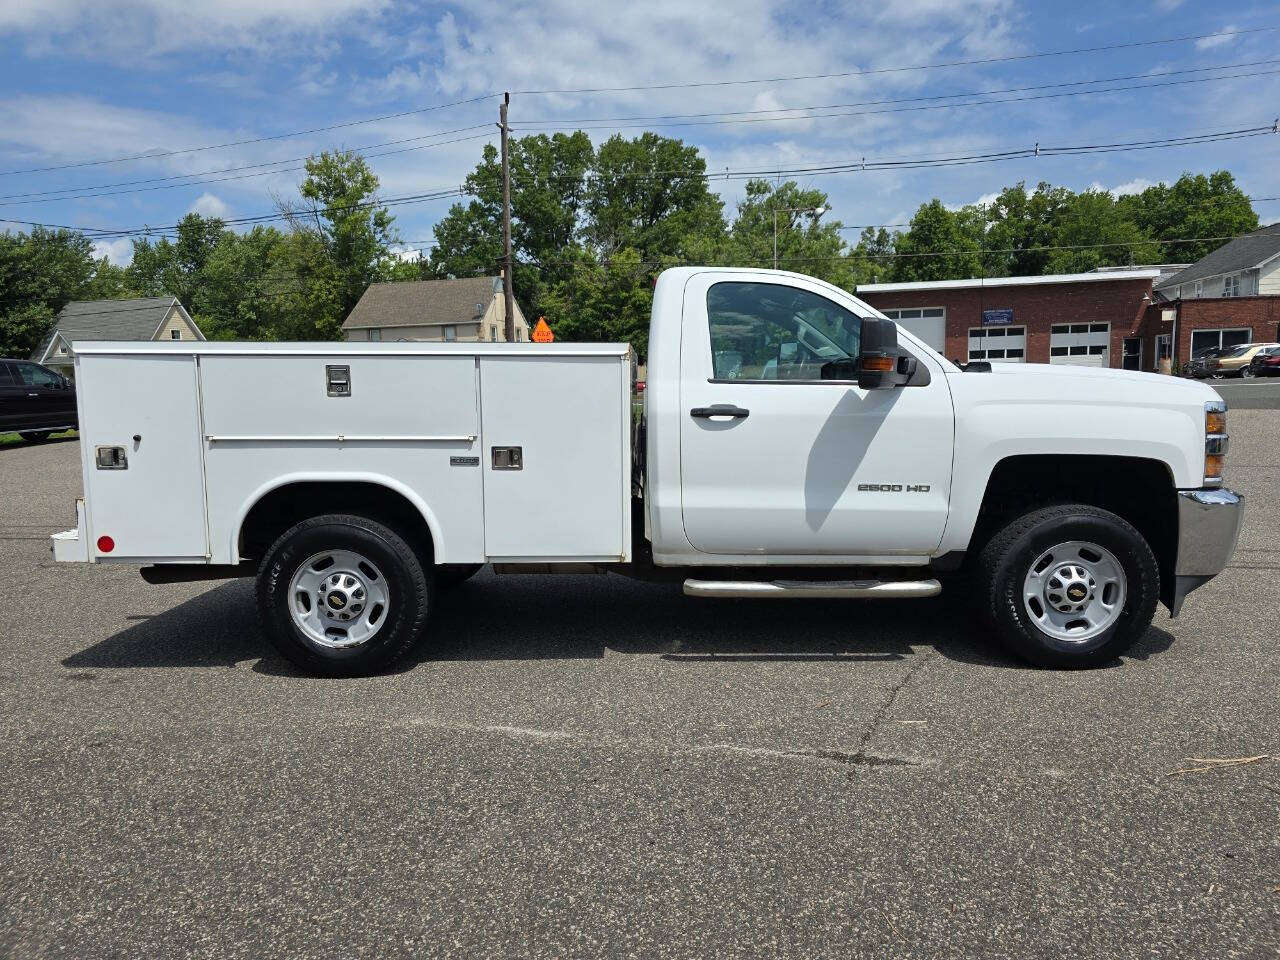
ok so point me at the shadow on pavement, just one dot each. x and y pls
(550, 617)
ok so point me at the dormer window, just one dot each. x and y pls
(1231, 285)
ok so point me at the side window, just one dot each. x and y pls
(6, 377)
(767, 331)
(36, 376)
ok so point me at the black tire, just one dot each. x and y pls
(1006, 560)
(35, 436)
(448, 575)
(409, 594)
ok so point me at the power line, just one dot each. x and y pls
(591, 125)
(858, 165)
(906, 69)
(208, 176)
(238, 143)
(921, 99)
(205, 179)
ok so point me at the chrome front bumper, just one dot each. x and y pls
(1209, 524)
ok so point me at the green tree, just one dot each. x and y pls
(341, 218)
(1194, 206)
(872, 259)
(650, 194)
(1019, 225)
(807, 242)
(40, 273)
(548, 186)
(1093, 231)
(940, 244)
(176, 268)
(603, 302)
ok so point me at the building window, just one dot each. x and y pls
(998, 344)
(1202, 340)
(493, 334)
(1199, 287)
(1231, 285)
(374, 333)
(175, 334)
(451, 333)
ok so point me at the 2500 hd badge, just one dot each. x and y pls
(893, 488)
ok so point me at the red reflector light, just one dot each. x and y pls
(105, 544)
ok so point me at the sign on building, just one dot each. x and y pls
(997, 318)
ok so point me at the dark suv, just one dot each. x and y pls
(35, 401)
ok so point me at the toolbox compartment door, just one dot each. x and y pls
(153, 506)
(567, 497)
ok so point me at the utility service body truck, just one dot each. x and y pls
(794, 443)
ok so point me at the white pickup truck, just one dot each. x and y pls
(794, 443)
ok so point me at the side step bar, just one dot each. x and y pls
(814, 589)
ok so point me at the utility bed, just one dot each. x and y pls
(512, 452)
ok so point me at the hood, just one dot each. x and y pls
(1077, 384)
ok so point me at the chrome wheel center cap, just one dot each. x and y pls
(1069, 588)
(341, 596)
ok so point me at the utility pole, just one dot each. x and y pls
(509, 314)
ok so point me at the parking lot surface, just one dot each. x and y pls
(588, 766)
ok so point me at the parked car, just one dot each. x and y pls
(35, 401)
(1235, 361)
(1265, 363)
(1198, 365)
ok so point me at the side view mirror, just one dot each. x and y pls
(882, 364)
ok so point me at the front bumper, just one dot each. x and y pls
(1208, 527)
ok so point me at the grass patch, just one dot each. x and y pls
(10, 438)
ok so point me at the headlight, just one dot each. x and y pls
(1216, 441)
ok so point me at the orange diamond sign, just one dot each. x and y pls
(542, 333)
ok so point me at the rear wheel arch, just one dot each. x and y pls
(276, 507)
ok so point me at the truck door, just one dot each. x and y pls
(799, 465)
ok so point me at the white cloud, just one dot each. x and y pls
(207, 205)
(1166, 6)
(1218, 40)
(119, 252)
(133, 28)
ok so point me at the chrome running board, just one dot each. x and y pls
(815, 589)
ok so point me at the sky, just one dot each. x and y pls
(416, 85)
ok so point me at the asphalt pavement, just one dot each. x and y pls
(1258, 393)
(586, 766)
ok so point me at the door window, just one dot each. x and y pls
(34, 376)
(765, 331)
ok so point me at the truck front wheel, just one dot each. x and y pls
(1068, 586)
(342, 595)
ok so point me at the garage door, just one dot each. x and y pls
(1081, 344)
(998, 344)
(927, 323)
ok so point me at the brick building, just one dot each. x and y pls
(1139, 318)
(1088, 319)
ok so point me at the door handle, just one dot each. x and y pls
(33, 394)
(720, 410)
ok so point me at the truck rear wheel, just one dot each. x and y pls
(342, 595)
(1068, 586)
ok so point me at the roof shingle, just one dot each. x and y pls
(415, 303)
(1242, 253)
(135, 319)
